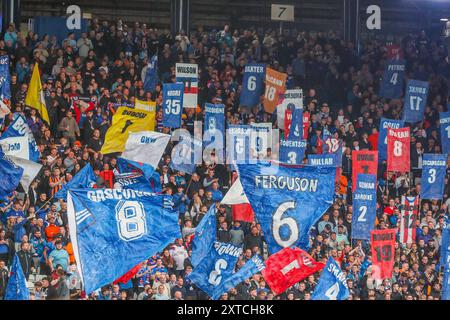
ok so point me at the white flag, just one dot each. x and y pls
(30, 170)
(235, 195)
(16, 146)
(146, 147)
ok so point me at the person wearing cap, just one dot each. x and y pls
(59, 256)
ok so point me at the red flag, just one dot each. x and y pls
(288, 121)
(383, 252)
(409, 214)
(398, 143)
(243, 212)
(364, 161)
(287, 267)
(394, 52)
(128, 275)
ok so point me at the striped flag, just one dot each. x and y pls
(409, 215)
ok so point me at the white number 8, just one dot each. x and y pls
(131, 223)
(398, 148)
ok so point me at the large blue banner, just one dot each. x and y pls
(252, 84)
(20, 128)
(444, 121)
(205, 235)
(296, 129)
(172, 104)
(292, 151)
(323, 160)
(287, 200)
(113, 230)
(252, 266)
(392, 84)
(332, 283)
(364, 206)
(5, 78)
(382, 136)
(238, 143)
(10, 175)
(415, 101)
(434, 167)
(217, 266)
(85, 178)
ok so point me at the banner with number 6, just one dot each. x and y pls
(398, 151)
(287, 200)
(252, 84)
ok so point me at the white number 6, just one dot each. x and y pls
(277, 222)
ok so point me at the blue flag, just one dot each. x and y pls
(445, 243)
(392, 85)
(446, 281)
(415, 101)
(217, 266)
(322, 160)
(17, 284)
(238, 143)
(252, 84)
(382, 136)
(20, 128)
(292, 151)
(130, 175)
(85, 178)
(252, 266)
(287, 200)
(214, 128)
(434, 169)
(187, 153)
(364, 206)
(296, 129)
(5, 78)
(332, 283)
(151, 76)
(444, 120)
(10, 175)
(205, 235)
(172, 104)
(113, 230)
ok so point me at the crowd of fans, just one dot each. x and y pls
(104, 69)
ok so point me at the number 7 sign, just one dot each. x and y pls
(282, 12)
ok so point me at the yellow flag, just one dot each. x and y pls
(126, 120)
(145, 105)
(35, 95)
